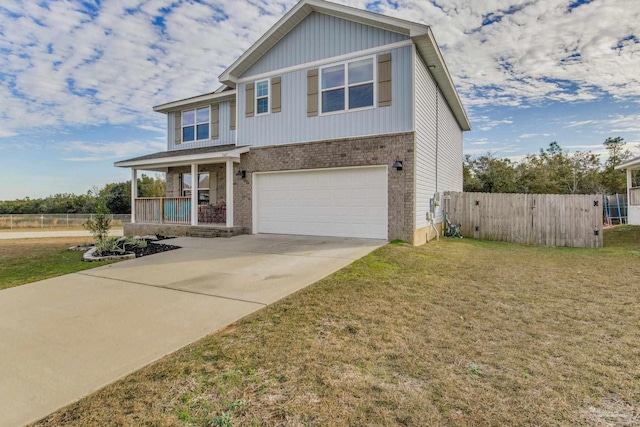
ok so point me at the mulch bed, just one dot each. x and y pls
(152, 248)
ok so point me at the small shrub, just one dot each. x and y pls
(100, 225)
(118, 246)
(108, 246)
(133, 243)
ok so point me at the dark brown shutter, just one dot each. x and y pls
(312, 92)
(215, 121)
(177, 128)
(384, 80)
(249, 99)
(276, 97)
(232, 118)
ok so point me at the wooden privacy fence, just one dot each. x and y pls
(535, 219)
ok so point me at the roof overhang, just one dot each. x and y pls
(633, 164)
(161, 164)
(297, 14)
(208, 98)
(428, 49)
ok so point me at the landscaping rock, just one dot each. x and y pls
(90, 257)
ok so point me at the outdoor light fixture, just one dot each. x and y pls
(397, 165)
(241, 173)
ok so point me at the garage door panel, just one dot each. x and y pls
(349, 202)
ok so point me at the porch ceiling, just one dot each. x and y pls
(162, 160)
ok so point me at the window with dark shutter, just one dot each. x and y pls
(232, 118)
(215, 121)
(177, 127)
(276, 96)
(384, 80)
(250, 99)
(312, 92)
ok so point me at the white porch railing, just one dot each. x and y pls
(163, 210)
(634, 196)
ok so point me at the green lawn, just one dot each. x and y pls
(29, 260)
(460, 332)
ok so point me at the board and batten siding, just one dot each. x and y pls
(226, 135)
(435, 123)
(292, 125)
(321, 36)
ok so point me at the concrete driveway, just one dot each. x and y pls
(62, 338)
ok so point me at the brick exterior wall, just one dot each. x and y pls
(363, 151)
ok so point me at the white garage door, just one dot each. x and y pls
(349, 202)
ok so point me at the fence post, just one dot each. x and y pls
(41, 221)
(67, 220)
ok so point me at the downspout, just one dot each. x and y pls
(433, 216)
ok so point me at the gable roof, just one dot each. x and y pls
(421, 35)
(223, 93)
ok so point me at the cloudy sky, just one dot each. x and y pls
(78, 79)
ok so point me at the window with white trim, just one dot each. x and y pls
(202, 187)
(195, 124)
(347, 86)
(262, 97)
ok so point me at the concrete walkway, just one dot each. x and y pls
(9, 235)
(62, 338)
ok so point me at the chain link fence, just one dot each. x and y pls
(55, 221)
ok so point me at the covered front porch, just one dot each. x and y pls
(199, 196)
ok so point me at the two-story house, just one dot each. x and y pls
(336, 122)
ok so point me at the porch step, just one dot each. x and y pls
(210, 232)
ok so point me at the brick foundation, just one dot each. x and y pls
(174, 230)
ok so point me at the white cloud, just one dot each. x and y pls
(485, 123)
(619, 123)
(579, 123)
(151, 128)
(80, 151)
(63, 64)
(533, 135)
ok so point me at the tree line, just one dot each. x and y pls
(551, 171)
(116, 196)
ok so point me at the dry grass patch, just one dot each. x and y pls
(28, 260)
(460, 332)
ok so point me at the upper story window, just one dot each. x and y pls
(262, 97)
(347, 86)
(195, 124)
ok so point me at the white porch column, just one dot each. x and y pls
(629, 185)
(134, 193)
(229, 184)
(194, 194)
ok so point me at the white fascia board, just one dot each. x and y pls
(428, 49)
(632, 164)
(397, 25)
(184, 160)
(222, 96)
(226, 77)
(303, 9)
